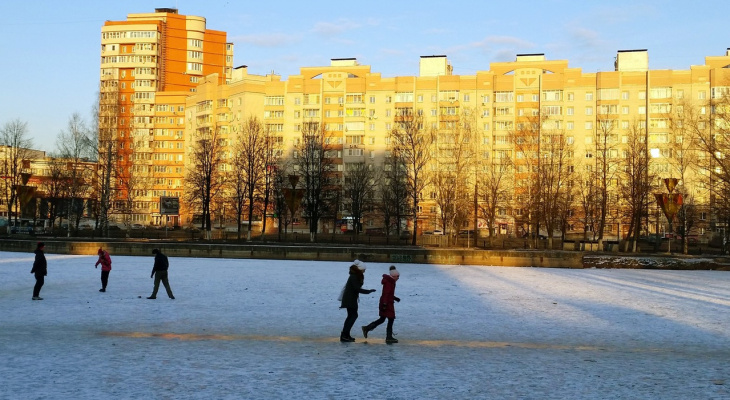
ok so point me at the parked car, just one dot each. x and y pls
(137, 226)
(466, 233)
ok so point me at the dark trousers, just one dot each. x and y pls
(39, 280)
(162, 276)
(376, 323)
(104, 278)
(349, 321)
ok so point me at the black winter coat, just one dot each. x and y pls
(40, 267)
(352, 290)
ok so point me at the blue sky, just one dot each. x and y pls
(51, 49)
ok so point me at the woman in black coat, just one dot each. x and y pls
(40, 270)
(351, 296)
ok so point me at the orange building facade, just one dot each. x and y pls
(149, 64)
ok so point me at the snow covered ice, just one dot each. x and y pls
(259, 329)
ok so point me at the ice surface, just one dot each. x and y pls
(245, 329)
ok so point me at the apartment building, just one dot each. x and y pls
(511, 105)
(150, 63)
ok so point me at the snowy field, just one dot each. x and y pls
(262, 329)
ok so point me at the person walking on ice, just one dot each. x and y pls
(106, 265)
(386, 306)
(159, 272)
(350, 297)
(40, 269)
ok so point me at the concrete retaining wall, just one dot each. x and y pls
(510, 258)
(507, 258)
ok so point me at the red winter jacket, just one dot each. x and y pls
(387, 307)
(105, 261)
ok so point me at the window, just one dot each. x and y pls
(589, 110)
(552, 110)
(589, 96)
(503, 97)
(608, 109)
(552, 95)
(274, 101)
(589, 125)
(702, 95)
(404, 97)
(569, 111)
(624, 95)
(660, 93)
(624, 110)
(608, 94)
(570, 96)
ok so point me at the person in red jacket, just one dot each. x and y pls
(387, 306)
(106, 265)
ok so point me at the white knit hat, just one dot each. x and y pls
(394, 272)
(359, 264)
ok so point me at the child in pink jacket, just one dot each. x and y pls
(106, 265)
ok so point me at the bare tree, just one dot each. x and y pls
(712, 135)
(249, 169)
(279, 191)
(453, 179)
(494, 186)
(359, 191)
(55, 187)
(106, 132)
(14, 135)
(606, 168)
(527, 179)
(269, 154)
(586, 189)
(77, 146)
(686, 125)
(635, 182)
(555, 173)
(315, 163)
(412, 143)
(393, 194)
(204, 177)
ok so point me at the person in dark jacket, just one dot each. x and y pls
(106, 265)
(159, 272)
(387, 306)
(40, 269)
(351, 296)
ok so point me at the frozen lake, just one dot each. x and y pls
(269, 329)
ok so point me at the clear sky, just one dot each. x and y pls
(51, 49)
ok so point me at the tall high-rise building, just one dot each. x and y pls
(149, 64)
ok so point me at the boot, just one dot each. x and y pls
(365, 331)
(346, 338)
(389, 337)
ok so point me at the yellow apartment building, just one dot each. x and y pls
(359, 108)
